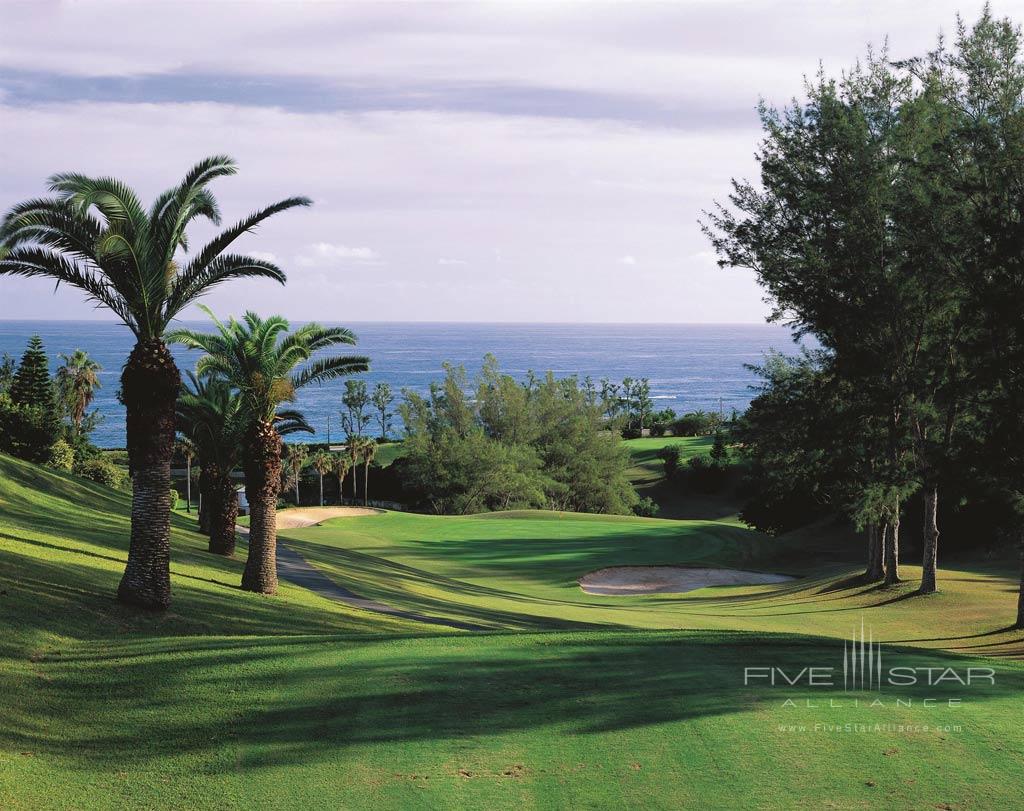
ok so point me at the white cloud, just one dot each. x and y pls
(627, 260)
(517, 189)
(266, 256)
(324, 253)
(444, 261)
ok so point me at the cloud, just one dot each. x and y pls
(266, 256)
(627, 260)
(321, 254)
(519, 191)
(444, 261)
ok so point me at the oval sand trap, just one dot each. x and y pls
(298, 517)
(628, 580)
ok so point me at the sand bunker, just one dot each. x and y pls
(627, 580)
(308, 516)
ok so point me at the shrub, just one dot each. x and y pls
(705, 476)
(62, 456)
(719, 452)
(103, 472)
(670, 456)
(646, 507)
(175, 497)
(661, 421)
(696, 423)
(27, 431)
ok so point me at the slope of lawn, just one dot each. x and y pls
(673, 497)
(520, 570)
(388, 452)
(236, 701)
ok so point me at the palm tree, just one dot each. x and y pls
(369, 450)
(342, 464)
(95, 235)
(354, 446)
(296, 459)
(184, 446)
(210, 413)
(77, 381)
(323, 463)
(267, 370)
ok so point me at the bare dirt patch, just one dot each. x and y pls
(628, 580)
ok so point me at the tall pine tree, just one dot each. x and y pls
(32, 385)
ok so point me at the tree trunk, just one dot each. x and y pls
(205, 479)
(366, 484)
(321, 489)
(223, 513)
(1020, 597)
(891, 544)
(875, 569)
(297, 489)
(931, 539)
(149, 384)
(188, 484)
(262, 486)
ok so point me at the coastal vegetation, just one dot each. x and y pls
(885, 224)
(94, 234)
(539, 443)
(451, 653)
(266, 364)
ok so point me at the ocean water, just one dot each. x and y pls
(690, 366)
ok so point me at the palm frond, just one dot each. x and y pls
(42, 262)
(223, 241)
(325, 369)
(52, 223)
(195, 281)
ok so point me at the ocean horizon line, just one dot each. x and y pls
(438, 322)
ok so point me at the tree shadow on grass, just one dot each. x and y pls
(298, 701)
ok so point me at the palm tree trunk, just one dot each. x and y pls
(931, 539)
(366, 484)
(891, 545)
(188, 484)
(321, 489)
(205, 479)
(297, 490)
(223, 513)
(262, 486)
(149, 384)
(1020, 596)
(875, 570)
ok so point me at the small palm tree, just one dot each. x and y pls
(267, 369)
(296, 459)
(323, 463)
(184, 446)
(342, 465)
(369, 450)
(95, 235)
(77, 381)
(210, 414)
(354, 446)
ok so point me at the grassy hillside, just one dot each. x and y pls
(673, 497)
(236, 701)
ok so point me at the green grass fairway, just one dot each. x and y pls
(573, 701)
(388, 453)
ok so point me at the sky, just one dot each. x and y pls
(468, 162)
